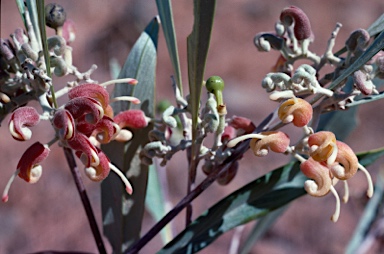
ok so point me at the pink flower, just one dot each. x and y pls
(276, 141)
(323, 146)
(346, 163)
(321, 179)
(297, 111)
(87, 106)
(63, 121)
(133, 118)
(296, 16)
(28, 167)
(21, 119)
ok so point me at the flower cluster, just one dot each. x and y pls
(84, 122)
(329, 160)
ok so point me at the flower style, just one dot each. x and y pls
(321, 182)
(261, 143)
(29, 167)
(297, 111)
(21, 119)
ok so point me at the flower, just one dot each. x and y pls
(323, 146)
(22, 118)
(295, 110)
(29, 167)
(276, 141)
(321, 182)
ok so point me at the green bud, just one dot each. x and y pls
(215, 85)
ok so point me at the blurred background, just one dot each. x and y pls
(49, 215)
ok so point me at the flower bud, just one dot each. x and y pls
(297, 111)
(21, 119)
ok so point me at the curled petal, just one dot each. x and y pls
(302, 26)
(346, 163)
(133, 118)
(228, 134)
(21, 119)
(323, 146)
(266, 41)
(363, 83)
(93, 91)
(85, 150)
(277, 141)
(28, 167)
(321, 180)
(106, 130)
(64, 122)
(297, 111)
(243, 123)
(101, 171)
(357, 40)
(87, 106)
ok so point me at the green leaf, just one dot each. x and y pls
(21, 8)
(36, 18)
(155, 202)
(166, 16)
(122, 213)
(373, 49)
(371, 213)
(254, 200)
(261, 227)
(197, 47)
(366, 99)
(377, 26)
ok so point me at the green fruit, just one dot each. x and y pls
(215, 85)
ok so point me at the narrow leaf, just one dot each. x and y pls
(366, 99)
(123, 213)
(155, 202)
(376, 46)
(261, 227)
(197, 46)
(166, 16)
(377, 26)
(35, 13)
(371, 212)
(21, 8)
(254, 200)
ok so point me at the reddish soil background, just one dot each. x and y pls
(49, 215)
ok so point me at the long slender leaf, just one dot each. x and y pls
(198, 45)
(21, 8)
(370, 214)
(376, 46)
(166, 17)
(256, 199)
(123, 214)
(155, 202)
(261, 227)
(377, 26)
(35, 17)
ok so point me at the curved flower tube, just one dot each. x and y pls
(64, 122)
(28, 167)
(133, 118)
(106, 130)
(21, 119)
(93, 91)
(323, 146)
(87, 106)
(346, 163)
(86, 151)
(296, 16)
(297, 111)
(101, 171)
(276, 141)
(321, 183)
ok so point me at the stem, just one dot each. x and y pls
(236, 155)
(84, 199)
